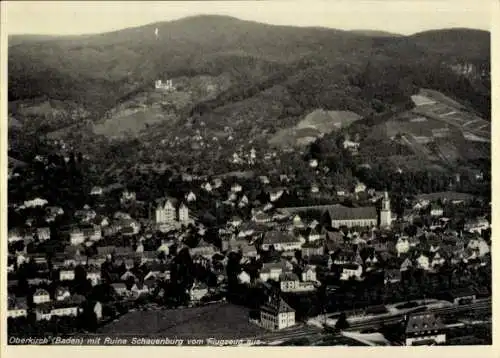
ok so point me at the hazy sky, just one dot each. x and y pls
(400, 16)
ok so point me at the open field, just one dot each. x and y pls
(132, 122)
(328, 121)
(316, 124)
(216, 320)
(437, 106)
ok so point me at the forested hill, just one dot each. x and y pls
(98, 70)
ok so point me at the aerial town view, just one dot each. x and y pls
(219, 179)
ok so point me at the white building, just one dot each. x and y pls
(423, 262)
(244, 278)
(166, 213)
(76, 237)
(66, 275)
(402, 245)
(41, 296)
(276, 314)
(350, 271)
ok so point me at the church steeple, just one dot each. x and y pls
(385, 212)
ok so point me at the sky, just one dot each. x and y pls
(398, 16)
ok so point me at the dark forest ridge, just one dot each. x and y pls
(196, 19)
(98, 70)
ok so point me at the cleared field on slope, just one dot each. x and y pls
(328, 121)
(314, 125)
(437, 106)
(131, 122)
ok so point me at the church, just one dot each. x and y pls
(365, 216)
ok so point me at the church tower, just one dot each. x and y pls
(385, 212)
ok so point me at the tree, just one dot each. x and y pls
(342, 322)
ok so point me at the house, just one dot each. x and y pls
(127, 196)
(166, 211)
(350, 145)
(392, 276)
(236, 188)
(313, 163)
(280, 241)
(139, 289)
(246, 248)
(349, 271)
(15, 235)
(43, 311)
(406, 265)
(402, 245)
(309, 274)
(424, 328)
(190, 197)
(94, 275)
(297, 221)
(129, 226)
(437, 260)
(76, 237)
(37, 202)
(127, 275)
(359, 188)
(203, 249)
(436, 210)
(423, 262)
(41, 296)
(43, 233)
(69, 307)
(477, 225)
(480, 245)
(17, 307)
(96, 190)
(235, 221)
(314, 235)
(261, 218)
(61, 294)
(184, 214)
(66, 275)
(289, 282)
(314, 248)
(165, 246)
(197, 292)
(264, 180)
(243, 201)
(421, 204)
(347, 256)
(274, 195)
(352, 217)
(276, 314)
(98, 310)
(119, 288)
(217, 183)
(244, 277)
(273, 270)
